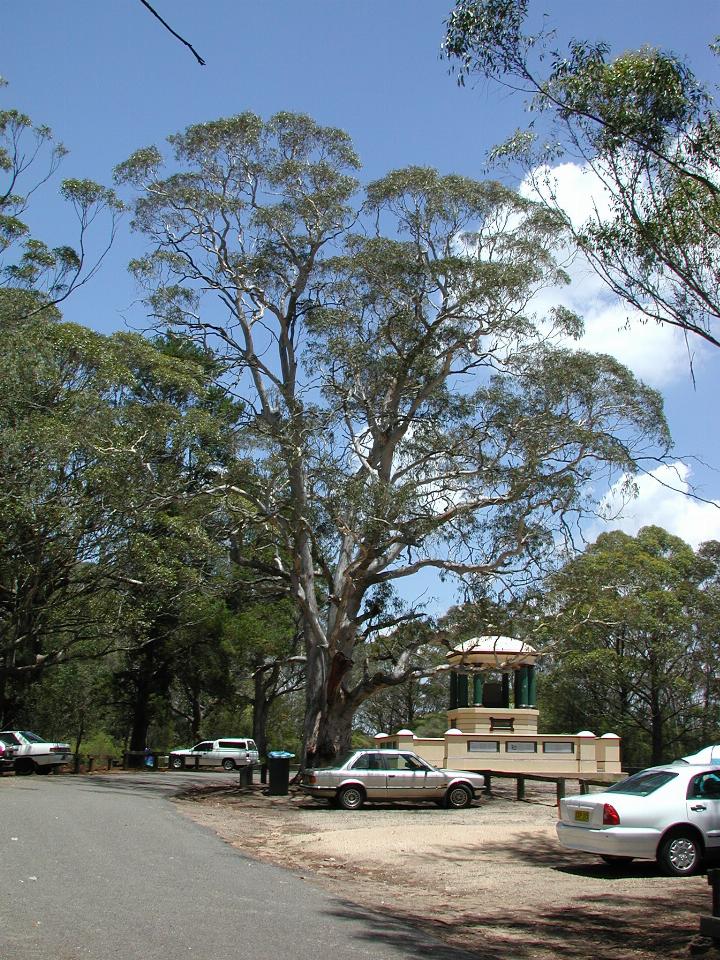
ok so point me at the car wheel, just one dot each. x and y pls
(24, 767)
(177, 763)
(616, 861)
(680, 855)
(458, 797)
(228, 764)
(43, 770)
(350, 798)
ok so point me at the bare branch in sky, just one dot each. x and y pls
(168, 27)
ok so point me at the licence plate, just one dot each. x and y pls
(582, 815)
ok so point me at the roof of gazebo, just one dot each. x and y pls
(493, 651)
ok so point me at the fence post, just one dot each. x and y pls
(560, 789)
(90, 764)
(520, 792)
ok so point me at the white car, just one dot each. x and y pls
(7, 757)
(709, 755)
(670, 814)
(34, 753)
(228, 752)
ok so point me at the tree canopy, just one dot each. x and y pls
(405, 408)
(629, 644)
(648, 130)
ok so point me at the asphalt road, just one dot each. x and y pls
(104, 868)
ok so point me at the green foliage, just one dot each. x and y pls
(647, 128)
(627, 647)
(406, 408)
(29, 157)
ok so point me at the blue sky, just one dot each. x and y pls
(108, 79)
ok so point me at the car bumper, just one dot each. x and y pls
(640, 842)
(317, 791)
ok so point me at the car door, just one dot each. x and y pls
(204, 753)
(703, 806)
(369, 769)
(405, 776)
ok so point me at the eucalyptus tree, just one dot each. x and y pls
(90, 428)
(29, 158)
(629, 650)
(643, 124)
(53, 524)
(406, 410)
(175, 432)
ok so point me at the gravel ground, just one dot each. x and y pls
(491, 878)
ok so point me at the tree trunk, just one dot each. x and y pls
(197, 715)
(335, 734)
(261, 709)
(140, 715)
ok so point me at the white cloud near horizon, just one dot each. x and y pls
(662, 500)
(656, 353)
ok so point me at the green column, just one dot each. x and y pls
(453, 690)
(462, 690)
(521, 687)
(532, 687)
(477, 689)
(505, 686)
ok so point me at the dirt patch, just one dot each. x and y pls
(491, 878)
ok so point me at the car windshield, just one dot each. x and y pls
(32, 737)
(644, 783)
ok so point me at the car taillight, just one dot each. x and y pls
(59, 749)
(311, 778)
(611, 818)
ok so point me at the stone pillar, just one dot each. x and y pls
(453, 690)
(505, 686)
(477, 689)
(463, 698)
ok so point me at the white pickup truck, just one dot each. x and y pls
(229, 753)
(34, 753)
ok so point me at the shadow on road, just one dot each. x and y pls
(140, 783)
(602, 927)
(413, 941)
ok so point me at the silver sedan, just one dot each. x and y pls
(390, 775)
(670, 814)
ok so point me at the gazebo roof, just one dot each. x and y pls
(493, 651)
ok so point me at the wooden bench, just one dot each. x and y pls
(558, 779)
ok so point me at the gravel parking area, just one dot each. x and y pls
(491, 878)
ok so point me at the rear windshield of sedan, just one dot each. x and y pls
(32, 737)
(642, 784)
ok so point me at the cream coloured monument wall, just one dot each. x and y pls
(607, 751)
(473, 720)
(542, 753)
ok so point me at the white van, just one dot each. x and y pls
(228, 752)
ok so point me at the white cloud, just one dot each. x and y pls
(661, 501)
(656, 353)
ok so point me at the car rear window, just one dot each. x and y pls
(644, 783)
(33, 737)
